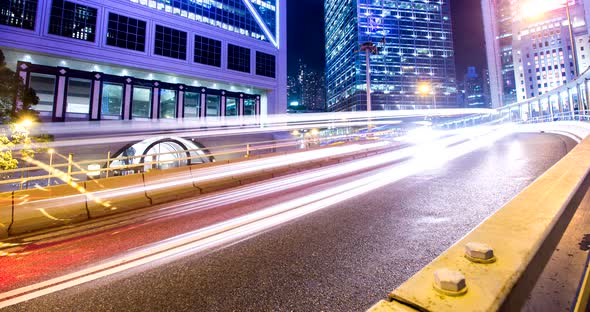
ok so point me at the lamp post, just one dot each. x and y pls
(426, 88)
(369, 48)
(50, 151)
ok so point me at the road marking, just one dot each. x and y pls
(238, 227)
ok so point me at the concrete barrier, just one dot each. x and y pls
(116, 194)
(5, 213)
(178, 182)
(522, 235)
(59, 205)
(45, 208)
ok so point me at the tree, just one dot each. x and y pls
(13, 116)
(11, 89)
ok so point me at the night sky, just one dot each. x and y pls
(306, 34)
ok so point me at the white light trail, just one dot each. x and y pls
(246, 225)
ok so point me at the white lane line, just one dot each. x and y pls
(238, 227)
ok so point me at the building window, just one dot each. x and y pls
(170, 42)
(265, 64)
(167, 104)
(238, 58)
(78, 104)
(192, 104)
(207, 51)
(231, 106)
(18, 13)
(72, 20)
(44, 86)
(213, 104)
(141, 104)
(112, 101)
(249, 107)
(126, 32)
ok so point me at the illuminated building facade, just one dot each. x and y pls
(529, 47)
(414, 42)
(147, 59)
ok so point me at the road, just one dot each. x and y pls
(342, 258)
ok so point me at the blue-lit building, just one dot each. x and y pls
(147, 59)
(415, 46)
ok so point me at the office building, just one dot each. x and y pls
(474, 91)
(147, 59)
(414, 45)
(530, 49)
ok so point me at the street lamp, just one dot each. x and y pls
(426, 88)
(369, 48)
(50, 151)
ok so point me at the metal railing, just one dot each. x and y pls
(62, 169)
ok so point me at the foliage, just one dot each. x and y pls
(11, 89)
(14, 135)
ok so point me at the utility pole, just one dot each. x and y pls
(369, 48)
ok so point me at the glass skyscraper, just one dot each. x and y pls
(415, 46)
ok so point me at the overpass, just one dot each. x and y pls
(503, 283)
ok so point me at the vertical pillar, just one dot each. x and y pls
(127, 98)
(530, 104)
(156, 100)
(570, 96)
(96, 99)
(258, 105)
(222, 104)
(24, 73)
(241, 105)
(60, 101)
(203, 110)
(587, 97)
(540, 108)
(551, 110)
(180, 102)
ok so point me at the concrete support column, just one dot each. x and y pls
(24, 74)
(587, 97)
(203, 110)
(241, 105)
(258, 105)
(61, 96)
(570, 96)
(156, 100)
(127, 97)
(222, 104)
(540, 106)
(180, 102)
(551, 112)
(95, 101)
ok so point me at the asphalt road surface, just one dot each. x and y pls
(342, 258)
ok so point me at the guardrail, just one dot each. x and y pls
(55, 173)
(495, 266)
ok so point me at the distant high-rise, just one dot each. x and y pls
(529, 46)
(474, 96)
(414, 46)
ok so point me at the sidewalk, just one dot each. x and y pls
(559, 283)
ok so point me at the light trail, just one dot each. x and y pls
(247, 225)
(124, 131)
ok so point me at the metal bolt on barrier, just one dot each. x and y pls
(449, 282)
(479, 253)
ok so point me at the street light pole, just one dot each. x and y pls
(368, 62)
(369, 48)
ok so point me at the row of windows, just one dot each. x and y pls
(78, 99)
(77, 21)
